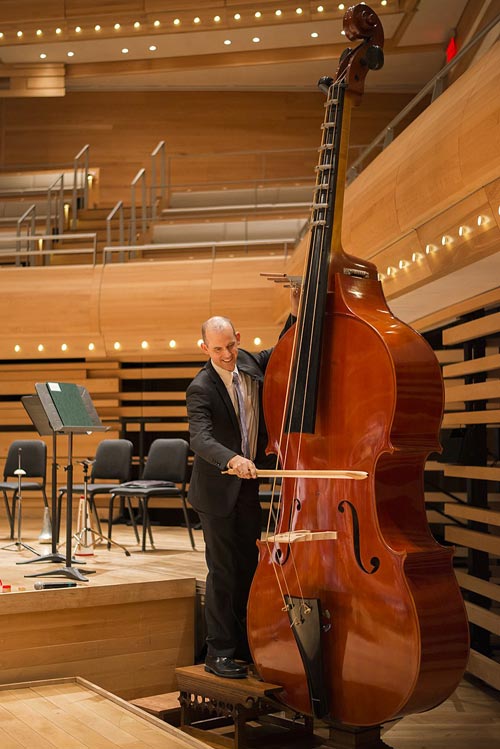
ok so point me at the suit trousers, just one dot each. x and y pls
(231, 554)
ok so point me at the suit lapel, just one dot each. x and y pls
(224, 395)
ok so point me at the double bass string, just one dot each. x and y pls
(320, 234)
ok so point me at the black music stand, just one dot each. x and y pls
(69, 410)
(35, 410)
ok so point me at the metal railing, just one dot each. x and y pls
(81, 156)
(158, 153)
(29, 219)
(55, 194)
(435, 85)
(131, 250)
(117, 211)
(139, 177)
(19, 251)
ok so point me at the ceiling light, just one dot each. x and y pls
(403, 264)
(41, 347)
(152, 47)
(299, 11)
(278, 12)
(391, 271)
(216, 19)
(237, 16)
(78, 29)
(58, 31)
(256, 39)
(117, 345)
(125, 51)
(430, 248)
(172, 343)
(1, 34)
(199, 342)
(314, 34)
(257, 341)
(343, 32)
(64, 346)
(71, 54)
(97, 27)
(137, 25)
(482, 220)
(177, 21)
(197, 19)
(43, 56)
(258, 14)
(117, 26)
(320, 9)
(17, 348)
(227, 42)
(144, 344)
(39, 32)
(157, 23)
(91, 346)
(416, 257)
(19, 33)
(383, 2)
(341, 6)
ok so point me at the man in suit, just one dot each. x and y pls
(227, 431)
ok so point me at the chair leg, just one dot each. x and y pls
(110, 518)
(45, 500)
(8, 510)
(132, 519)
(188, 524)
(146, 525)
(94, 513)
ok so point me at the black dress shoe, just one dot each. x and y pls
(222, 665)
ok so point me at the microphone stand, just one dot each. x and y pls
(19, 545)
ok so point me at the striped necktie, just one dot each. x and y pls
(242, 415)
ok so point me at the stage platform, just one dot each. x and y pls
(126, 629)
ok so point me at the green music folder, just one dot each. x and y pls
(68, 401)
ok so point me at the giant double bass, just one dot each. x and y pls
(354, 608)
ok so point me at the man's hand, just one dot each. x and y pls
(242, 467)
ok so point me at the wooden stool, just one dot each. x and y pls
(209, 702)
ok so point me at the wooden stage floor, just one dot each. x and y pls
(134, 621)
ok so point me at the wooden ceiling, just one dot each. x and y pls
(211, 44)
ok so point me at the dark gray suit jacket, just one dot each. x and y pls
(215, 434)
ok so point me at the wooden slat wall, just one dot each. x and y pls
(471, 370)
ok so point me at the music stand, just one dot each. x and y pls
(69, 410)
(34, 408)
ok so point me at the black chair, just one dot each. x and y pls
(33, 461)
(112, 462)
(164, 477)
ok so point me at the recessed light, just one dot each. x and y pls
(152, 48)
(117, 345)
(197, 19)
(125, 51)
(78, 29)
(341, 6)
(58, 31)
(117, 26)
(137, 25)
(320, 9)
(91, 346)
(314, 34)
(1, 34)
(383, 2)
(258, 14)
(97, 27)
(71, 54)
(216, 19)
(17, 348)
(144, 344)
(237, 16)
(157, 23)
(227, 41)
(278, 12)
(41, 347)
(19, 34)
(256, 39)
(177, 21)
(199, 342)
(39, 32)
(64, 346)
(43, 56)
(172, 343)
(343, 32)
(299, 11)
(257, 341)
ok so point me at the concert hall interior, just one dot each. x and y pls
(163, 163)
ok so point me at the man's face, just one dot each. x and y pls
(222, 347)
